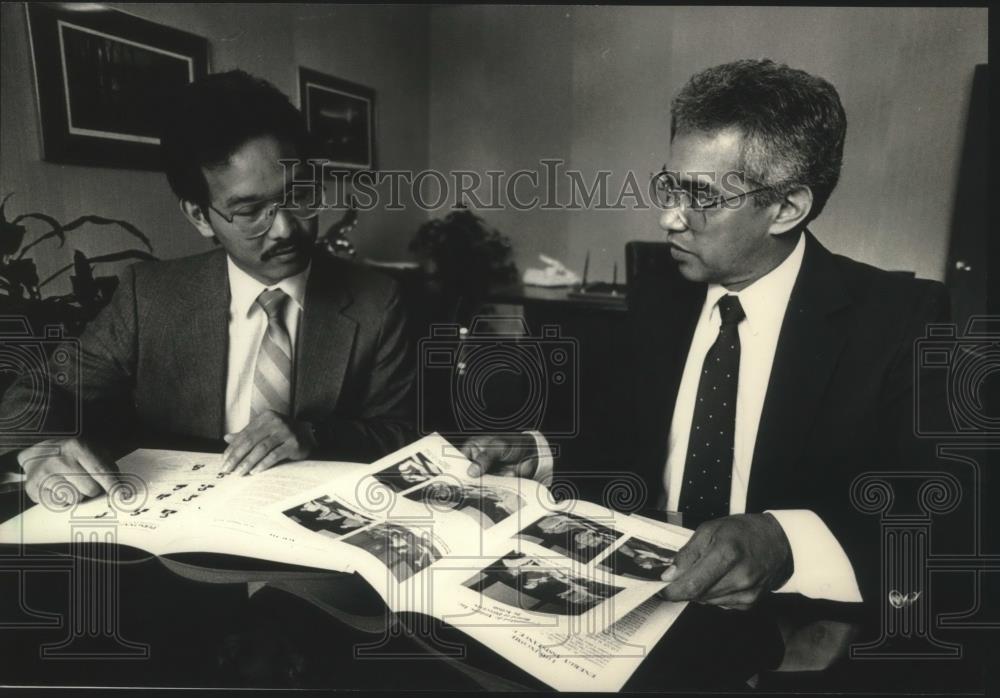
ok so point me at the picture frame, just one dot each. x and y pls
(341, 116)
(102, 78)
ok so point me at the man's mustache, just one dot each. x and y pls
(282, 248)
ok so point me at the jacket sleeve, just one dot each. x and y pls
(85, 388)
(908, 388)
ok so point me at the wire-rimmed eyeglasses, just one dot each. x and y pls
(258, 221)
(691, 198)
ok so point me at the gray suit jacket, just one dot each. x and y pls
(153, 363)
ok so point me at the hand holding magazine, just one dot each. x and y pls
(566, 590)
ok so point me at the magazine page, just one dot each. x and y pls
(410, 510)
(383, 522)
(526, 585)
(423, 528)
(620, 560)
(177, 501)
(238, 520)
(421, 484)
(581, 563)
(156, 489)
(572, 659)
(646, 549)
(549, 605)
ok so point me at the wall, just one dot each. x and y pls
(384, 47)
(592, 85)
(501, 100)
(479, 87)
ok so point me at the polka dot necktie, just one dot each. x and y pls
(272, 379)
(708, 470)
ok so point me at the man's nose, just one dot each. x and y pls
(672, 220)
(284, 225)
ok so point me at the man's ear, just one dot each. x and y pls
(198, 217)
(793, 209)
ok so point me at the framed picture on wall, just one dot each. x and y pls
(102, 78)
(341, 117)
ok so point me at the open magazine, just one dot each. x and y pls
(170, 502)
(565, 590)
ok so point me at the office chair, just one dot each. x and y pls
(644, 260)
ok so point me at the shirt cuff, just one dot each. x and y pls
(543, 473)
(822, 570)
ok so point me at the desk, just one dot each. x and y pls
(301, 632)
(519, 294)
(285, 635)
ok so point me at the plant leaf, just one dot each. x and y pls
(11, 234)
(11, 237)
(59, 230)
(81, 265)
(101, 220)
(20, 276)
(124, 254)
(113, 257)
(104, 288)
(82, 280)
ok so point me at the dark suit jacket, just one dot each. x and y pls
(840, 400)
(154, 361)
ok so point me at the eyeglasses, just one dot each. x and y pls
(670, 193)
(257, 221)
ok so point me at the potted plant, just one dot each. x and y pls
(465, 256)
(20, 288)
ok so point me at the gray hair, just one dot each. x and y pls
(793, 124)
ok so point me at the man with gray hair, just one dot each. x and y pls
(770, 372)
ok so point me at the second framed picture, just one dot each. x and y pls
(341, 117)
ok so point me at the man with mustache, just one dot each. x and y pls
(283, 352)
(770, 372)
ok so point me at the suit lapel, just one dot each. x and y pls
(810, 342)
(203, 343)
(325, 342)
(666, 323)
(679, 331)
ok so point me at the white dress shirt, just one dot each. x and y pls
(543, 471)
(822, 569)
(247, 325)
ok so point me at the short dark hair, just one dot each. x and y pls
(793, 124)
(211, 118)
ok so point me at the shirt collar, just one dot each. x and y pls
(244, 289)
(765, 300)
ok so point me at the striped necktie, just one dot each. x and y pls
(272, 379)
